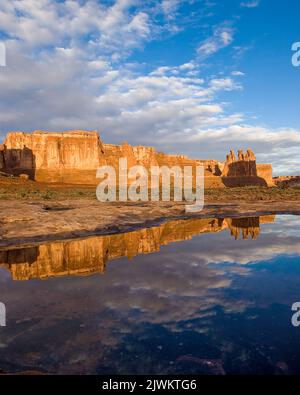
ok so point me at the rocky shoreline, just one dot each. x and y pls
(25, 223)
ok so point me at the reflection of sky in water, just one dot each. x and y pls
(207, 305)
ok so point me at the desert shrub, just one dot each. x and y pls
(24, 193)
(48, 194)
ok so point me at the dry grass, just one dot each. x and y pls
(16, 188)
(253, 194)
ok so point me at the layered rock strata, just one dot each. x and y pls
(73, 157)
(243, 170)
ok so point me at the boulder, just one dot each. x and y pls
(24, 176)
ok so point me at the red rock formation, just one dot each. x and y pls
(245, 171)
(245, 165)
(67, 157)
(265, 172)
(284, 181)
(2, 165)
(74, 156)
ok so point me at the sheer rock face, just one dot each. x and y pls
(74, 156)
(265, 172)
(73, 150)
(244, 170)
(244, 165)
(1, 156)
(54, 157)
(139, 155)
(147, 156)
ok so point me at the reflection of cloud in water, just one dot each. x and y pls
(90, 255)
(264, 250)
(73, 323)
(77, 321)
(280, 239)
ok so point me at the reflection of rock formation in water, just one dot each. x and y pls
(87, 256)
(247, 227)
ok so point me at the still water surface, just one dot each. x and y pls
(208, 296)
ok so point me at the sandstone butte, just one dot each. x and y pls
(72, 157)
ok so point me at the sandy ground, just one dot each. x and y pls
(30, 222)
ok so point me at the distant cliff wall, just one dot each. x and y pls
(68, 157)
(283, 181)
(74, 156)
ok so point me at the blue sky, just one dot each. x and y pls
(193, 76)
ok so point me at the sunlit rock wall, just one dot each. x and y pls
(243, 170)
(67, 157)
(74, 156)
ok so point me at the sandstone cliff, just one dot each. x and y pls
(74, 156)
(67, 157)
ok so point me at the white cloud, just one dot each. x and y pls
(237, 73)
(169, 8)
(250, 4)
(72, 83)
(224, 84)
(45, 23)
(221, 38)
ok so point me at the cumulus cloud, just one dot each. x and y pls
(98, 28)
(68, 67)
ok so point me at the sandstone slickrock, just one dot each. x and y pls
(74, 156)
